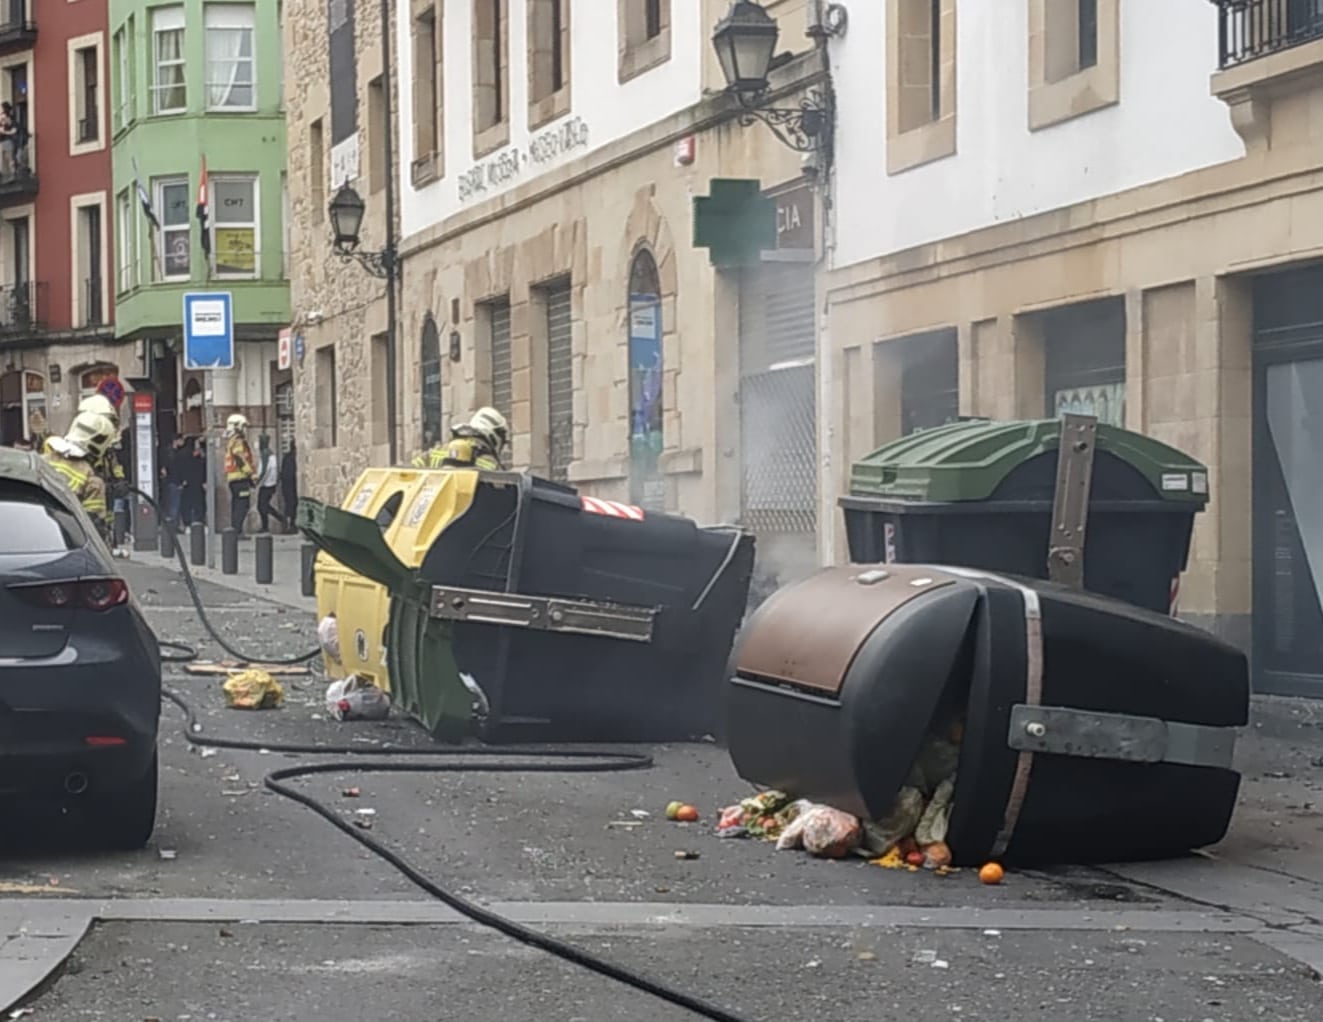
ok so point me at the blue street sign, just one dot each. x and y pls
(208, 330)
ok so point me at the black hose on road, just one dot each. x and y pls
(466, 759)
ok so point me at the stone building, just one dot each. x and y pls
(547, 185)
(1114, 205)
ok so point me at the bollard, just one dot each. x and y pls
(263, 549)
(167, 538)
(309, 552)
(229, 552)
(197, 541)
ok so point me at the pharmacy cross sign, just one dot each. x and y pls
(735, 223)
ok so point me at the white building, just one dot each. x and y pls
(1109, 202)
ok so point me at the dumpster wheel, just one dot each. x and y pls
(489, 760)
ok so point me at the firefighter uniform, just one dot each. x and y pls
(240, 470)
(74, 457)
(477, 443)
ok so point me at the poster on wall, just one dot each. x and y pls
(1105, 402)
(344, 92)
(647, 487)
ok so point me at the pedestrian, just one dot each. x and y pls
(8, 139)
(267, 479)
(240, 470)
(176, 472)
(289, 486)
(195, 487)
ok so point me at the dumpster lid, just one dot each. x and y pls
(968, 460)
(354, 541)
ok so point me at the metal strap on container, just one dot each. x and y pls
(1089, 734)
(543, 613)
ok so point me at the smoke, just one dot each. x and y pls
(781, 560)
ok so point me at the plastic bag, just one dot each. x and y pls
(328, 637)
(822, 831)
(253, 690)
(356, 698)
(906, 812)
(937, 817)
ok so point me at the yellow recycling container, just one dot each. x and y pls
(411, 506)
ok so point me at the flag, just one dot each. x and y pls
(144, 198)
(203, 212)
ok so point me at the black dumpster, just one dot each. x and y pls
(1091, 730)
(979, 493)
(578, 619)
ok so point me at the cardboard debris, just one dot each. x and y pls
(235, 666)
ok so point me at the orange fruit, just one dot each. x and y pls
(991, 873)
(914, 859)
(687, 814)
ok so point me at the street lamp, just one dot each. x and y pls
(745, 41)
(346, 212)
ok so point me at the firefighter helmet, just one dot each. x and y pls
(490, 424)
(236, 425)
(99, 404)
(92, 434)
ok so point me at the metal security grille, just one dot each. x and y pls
(429, 371)
(778, 406)
(502, 368)
(560, 381)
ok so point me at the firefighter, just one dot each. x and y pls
(240, 469)
(74, 456)
(105, 402)
(478, 443)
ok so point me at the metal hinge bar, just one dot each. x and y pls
(543, 613)
(1070, 504)
(1085, 734)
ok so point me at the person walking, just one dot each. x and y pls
(176, 478)
(268, 478)
(289, 486)
(240, 470)
(195, 485)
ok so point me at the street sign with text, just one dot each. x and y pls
(208, 330)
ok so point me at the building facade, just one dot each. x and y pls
(549, 156)
(55, 186)
(198, 88)
(1129, 223)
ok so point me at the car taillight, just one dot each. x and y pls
(88, 594)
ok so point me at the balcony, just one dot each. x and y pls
(22, 309)
(1270, 53)
(17, 181)
(1252, 29)
(18, 29)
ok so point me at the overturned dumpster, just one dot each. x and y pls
(556, 616)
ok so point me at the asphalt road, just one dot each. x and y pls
(567, 838)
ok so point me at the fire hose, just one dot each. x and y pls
(389, 760)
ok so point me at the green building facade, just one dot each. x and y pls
(200, 84)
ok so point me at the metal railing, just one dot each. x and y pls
(22, 307)
(1250, 29)
(16, 21)
(91, 311)
(16, 177)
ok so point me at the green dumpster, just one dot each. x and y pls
(979, 494)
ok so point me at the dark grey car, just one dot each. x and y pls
(80, 671)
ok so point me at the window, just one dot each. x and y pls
(171, 205)
(284, 225)
(430, 376)
(645, 35)
(89, 285)
(491, 81)
(376, 132)
(35, 523)
(280, 55)
(169, 92)
(428, 91)
(119, 54)
(548, 60)
(126, 231)
(920, 92)
(1074, 65)
(83, 63)
(234, 226)
(316, 171)
(327, 428)
(230, 63)
(380, 421)
(126, 84)
(646, 437)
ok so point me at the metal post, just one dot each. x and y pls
(197, 543)
(167, 538)
(210, 448)
(229, 552)
(263, 556)
(1070, 504)
(392, 267)
(308, 554)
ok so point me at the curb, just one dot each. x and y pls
(35, 942)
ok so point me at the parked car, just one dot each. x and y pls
(80, 670)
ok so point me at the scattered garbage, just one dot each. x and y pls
(823, 831)
(168, 854)
(351, 792)
(682, 812)
(356, 698)
(991, 874)
(328, 637)
(253, 689)
(686, 856)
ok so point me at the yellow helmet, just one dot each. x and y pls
(99, 404)
(490, 424)
(236, 425)
(91, 434)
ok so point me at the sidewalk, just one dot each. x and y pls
(286, 570)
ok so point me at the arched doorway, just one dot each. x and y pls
(646, 485)
(22, 407)
(430, 380)
(92, 376)
(191, 421)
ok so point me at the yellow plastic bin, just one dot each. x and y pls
(411, 506)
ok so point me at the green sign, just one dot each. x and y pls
(735, 223)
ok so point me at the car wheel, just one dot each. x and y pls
(126, 819)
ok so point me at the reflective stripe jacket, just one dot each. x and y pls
(462, 452)
(85, 484)
(239, 463)
(107, 466)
